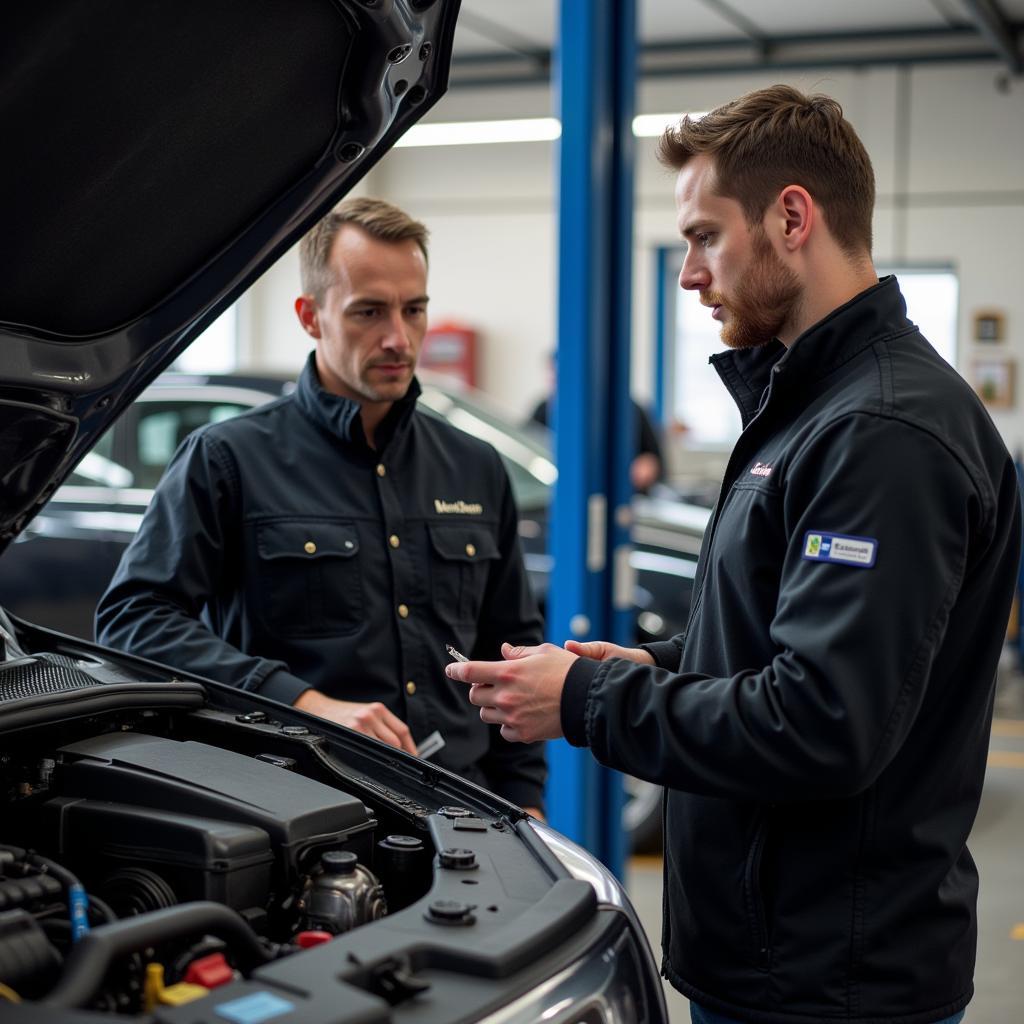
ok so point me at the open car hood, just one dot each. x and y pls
(159, 157)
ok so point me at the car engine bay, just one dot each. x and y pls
(165, 841)
(104, 816)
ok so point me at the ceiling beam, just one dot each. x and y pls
(513, 42)
(944, 10)
(741, 22)
(994, 27)
(786, 52)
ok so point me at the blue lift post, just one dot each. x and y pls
(664, 358)
(591, 592)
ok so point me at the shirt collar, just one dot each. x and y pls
(875, 313)
(340, 416)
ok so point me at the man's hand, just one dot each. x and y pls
(644, 470)
(522, 694)
(601, 650)
(370, 719)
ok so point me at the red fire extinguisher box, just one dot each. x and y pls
(450, 348)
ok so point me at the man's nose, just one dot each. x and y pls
(693, 274)
(397, 336)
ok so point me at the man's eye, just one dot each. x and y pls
(415, 310)
(367, 314)
(704, 238)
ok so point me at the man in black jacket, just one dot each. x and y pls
(324, 548)
(822, 727)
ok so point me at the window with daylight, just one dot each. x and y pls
(933, 298)
(216, 349)
(694, 395)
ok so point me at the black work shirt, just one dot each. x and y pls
(282, 553)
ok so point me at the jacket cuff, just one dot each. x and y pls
(574, 700)
(666, 654)
(283, 687)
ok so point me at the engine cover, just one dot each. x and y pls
(299, 815)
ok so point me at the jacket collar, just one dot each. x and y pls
(875, 313)
(339, 416)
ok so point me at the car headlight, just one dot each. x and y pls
(583, 865)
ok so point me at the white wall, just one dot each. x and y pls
(948, 150)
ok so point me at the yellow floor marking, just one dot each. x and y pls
(1008, 727)
(1006, 758)
(1017, 933)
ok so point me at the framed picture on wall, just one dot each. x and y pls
(993, 379)
(988, 326)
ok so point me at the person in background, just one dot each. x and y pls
(822, 727)
(648, 465)
(324, 548)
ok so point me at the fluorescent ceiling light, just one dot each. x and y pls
(651, 126)
(526, 129)
(470, 133)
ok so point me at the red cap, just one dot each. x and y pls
(307, 939)
(209, 971)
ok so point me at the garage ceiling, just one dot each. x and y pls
(499, 42)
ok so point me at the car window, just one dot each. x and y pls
(523, 450)
(162, 426)
(99, 468)
(527, 491)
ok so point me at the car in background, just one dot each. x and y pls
(92, 517)
(56, 571)
(174, 850)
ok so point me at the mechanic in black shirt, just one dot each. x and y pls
(323, 549)
(822, 727)
(648, 465)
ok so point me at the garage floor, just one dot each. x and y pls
(998, 847)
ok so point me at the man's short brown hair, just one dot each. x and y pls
(775, 137)
(379, 219)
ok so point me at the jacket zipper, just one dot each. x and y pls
(666, 920)
(730, 477)
(754, 894)
(755, 901)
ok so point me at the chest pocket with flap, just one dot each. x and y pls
(463, 555)
(309, 577)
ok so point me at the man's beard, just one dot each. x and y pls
(765, 299)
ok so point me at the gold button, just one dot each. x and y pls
(381, 470)
(403, 611)
(394, 541)
(410, 687)
(471, 550)
(310, 547)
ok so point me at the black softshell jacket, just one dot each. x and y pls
(823, 727)
(280, 552)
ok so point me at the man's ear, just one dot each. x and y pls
(796, 214)
(308, 313)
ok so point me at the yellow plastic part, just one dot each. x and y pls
(155, 993)
(183, 992)
(8, 993)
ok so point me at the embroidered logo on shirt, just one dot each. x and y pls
(762, 469)
(840, 548)
(459, 508)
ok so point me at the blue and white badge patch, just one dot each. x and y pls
(840, 548)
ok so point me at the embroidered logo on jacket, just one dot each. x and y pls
(459, 508)
(840, 548)
(762, 469)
